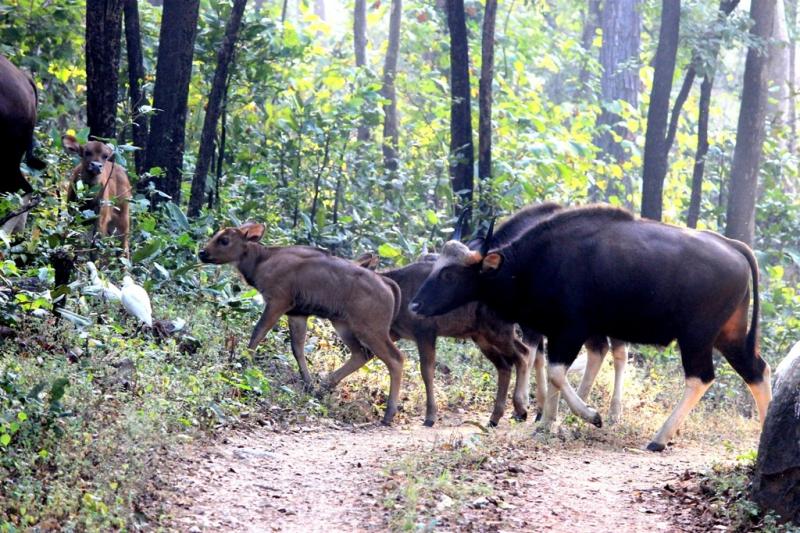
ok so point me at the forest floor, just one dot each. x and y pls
(329, 476)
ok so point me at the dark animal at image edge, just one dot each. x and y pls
(596, 269)
(17, 119)
(301, 280)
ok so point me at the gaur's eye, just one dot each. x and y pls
(223, 241)
(105, 156)
(88, 153)
(448, 276)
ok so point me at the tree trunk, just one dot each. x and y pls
(778, 66)
(776, 484)
(655, 152)
(214, 106)
(621, 23)
(360, 49)
(701, 152)
(726, 7)
(485, 94)
(750, 130)
(390, 133)
(173, 72)
(591, 22)
(792, 22)
(461, 148)
(133, 42)
(103, 41)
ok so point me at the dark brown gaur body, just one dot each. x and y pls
(300, 280)
(98, 169)
(495, 337)
(17, 120)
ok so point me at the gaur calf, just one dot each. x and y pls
(495, 337)
(301, 280)
(598, 270)
(17, 120)
(97, 169)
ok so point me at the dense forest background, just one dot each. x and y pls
(366, 126)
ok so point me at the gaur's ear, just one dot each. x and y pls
(71, 144)
(492, 261)
(252, 231)
(367, 260)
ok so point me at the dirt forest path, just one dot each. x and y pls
(332, 478)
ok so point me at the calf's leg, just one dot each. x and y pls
(358, 357)
(541, 381)
(383, 347)
(426, 346)
(298, 325)
(272, 312)
(522, 384)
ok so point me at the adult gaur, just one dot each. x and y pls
(17, 119)
(598, 270)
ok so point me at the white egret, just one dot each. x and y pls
(136, 301)
(109, 291)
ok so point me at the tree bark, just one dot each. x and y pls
(214, 106)
(390, 132)
(165, 143)
(360, 50)
(778, 66)
(133, 42)
(655, 153)
(485, 93)
(461, 147)
(103, 41)
(591, 22)
(701, 152)
(621, 23)
(750, 130)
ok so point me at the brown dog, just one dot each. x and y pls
(98, 169)
(300, 280)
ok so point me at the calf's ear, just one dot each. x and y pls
(367, 260)
(252, 231)
(71, 144)
(492, 261)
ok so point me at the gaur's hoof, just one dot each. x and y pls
(522, 417)
(655, 447)
(538, 416)
(386, 422)
(492, 424)
(428, 423)
(597, 421)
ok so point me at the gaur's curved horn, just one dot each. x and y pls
(462, 218)
(488, 239)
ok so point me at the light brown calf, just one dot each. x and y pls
(300, 280)
(98, 169)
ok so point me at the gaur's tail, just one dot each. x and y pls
(30, 159)
(752, 335)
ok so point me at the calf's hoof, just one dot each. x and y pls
(492, 424)
(538, 416)
(655, 447)
(428, 423)
(596, 420)
(519, 417)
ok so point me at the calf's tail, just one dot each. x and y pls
(398, 295)
(30, 159)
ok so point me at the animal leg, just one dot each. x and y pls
(503, 381)
(267, 321)
(620, 353)
(384, 348)
(298, 325)
(358, 357)
(427, 362)
(596, 349)
(557, 376)
(694, 390)
(541, 382)
(522, 385)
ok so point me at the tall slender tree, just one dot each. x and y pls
(133, 44)
(391, 136)
(621, 23)
(165, 143)
(591, 21)
(214, 106)
(360, 50)
(655, 153)
(485, 101)
(103, 41)
(751, 129)
(461, 147)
